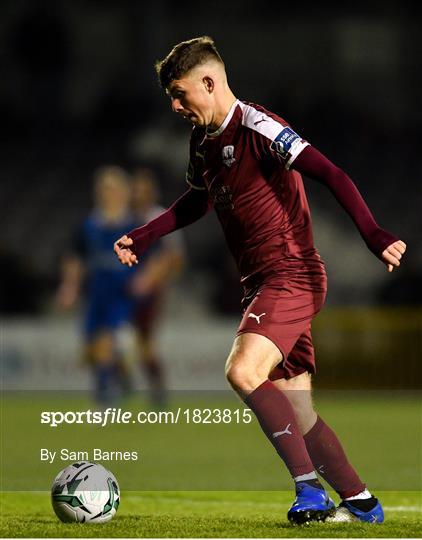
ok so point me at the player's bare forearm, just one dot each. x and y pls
(382, 243)
(69, 288)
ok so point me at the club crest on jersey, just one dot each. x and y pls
(228, 155)
(282, 144)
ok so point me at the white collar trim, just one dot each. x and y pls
(223, 126)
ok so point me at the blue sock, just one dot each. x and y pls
(103, 376)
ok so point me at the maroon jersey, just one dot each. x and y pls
(260, 202)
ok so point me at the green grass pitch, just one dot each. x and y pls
(228, 514)
(217, 480)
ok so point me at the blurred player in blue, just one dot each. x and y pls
(90, 270)
(150, 283)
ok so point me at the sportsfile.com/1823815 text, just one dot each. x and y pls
(114, 415)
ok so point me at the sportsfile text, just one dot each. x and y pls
(113, 415)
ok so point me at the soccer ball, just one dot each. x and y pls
(85, 492)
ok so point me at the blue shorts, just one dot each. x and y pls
(105, 314)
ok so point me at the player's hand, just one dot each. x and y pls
(123, 251)
(393, 254)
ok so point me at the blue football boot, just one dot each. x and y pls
(347, 512)
(311, 504)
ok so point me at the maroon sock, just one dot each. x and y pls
(277, 419)
(330, 461)
(154, 371)
(155, 374)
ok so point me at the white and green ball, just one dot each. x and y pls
(86, 493)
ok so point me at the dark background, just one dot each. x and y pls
(78, 90)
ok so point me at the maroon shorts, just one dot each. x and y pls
(284, 316)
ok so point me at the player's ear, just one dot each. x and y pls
(208, 83)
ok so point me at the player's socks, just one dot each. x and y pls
(154, 373)
(330, 461)
(277, 419)
(314, 483)
(364, 505)
(103, 390)
(365, 494)
(122, 375)
(153, 370)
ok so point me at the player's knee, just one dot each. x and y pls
(243, 376)
(233, 374)
(102, 349)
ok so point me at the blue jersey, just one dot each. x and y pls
(94, 244)
(108, 300)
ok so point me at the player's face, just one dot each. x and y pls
(143, 193)
(111, 193)
(191, 99)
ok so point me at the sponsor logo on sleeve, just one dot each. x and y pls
(284, 141)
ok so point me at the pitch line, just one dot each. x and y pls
(403, 508)
(234, 502)
(251, 503)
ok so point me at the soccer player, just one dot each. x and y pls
(150, 284)
(247, 163)
(89, 271)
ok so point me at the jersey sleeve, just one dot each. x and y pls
(194, 176)
(273, 137)
(172, 241)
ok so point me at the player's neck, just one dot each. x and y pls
(222, 110)
(143, 207)
(113, 214)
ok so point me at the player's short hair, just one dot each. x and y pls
(110, 174)
(185, 56)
